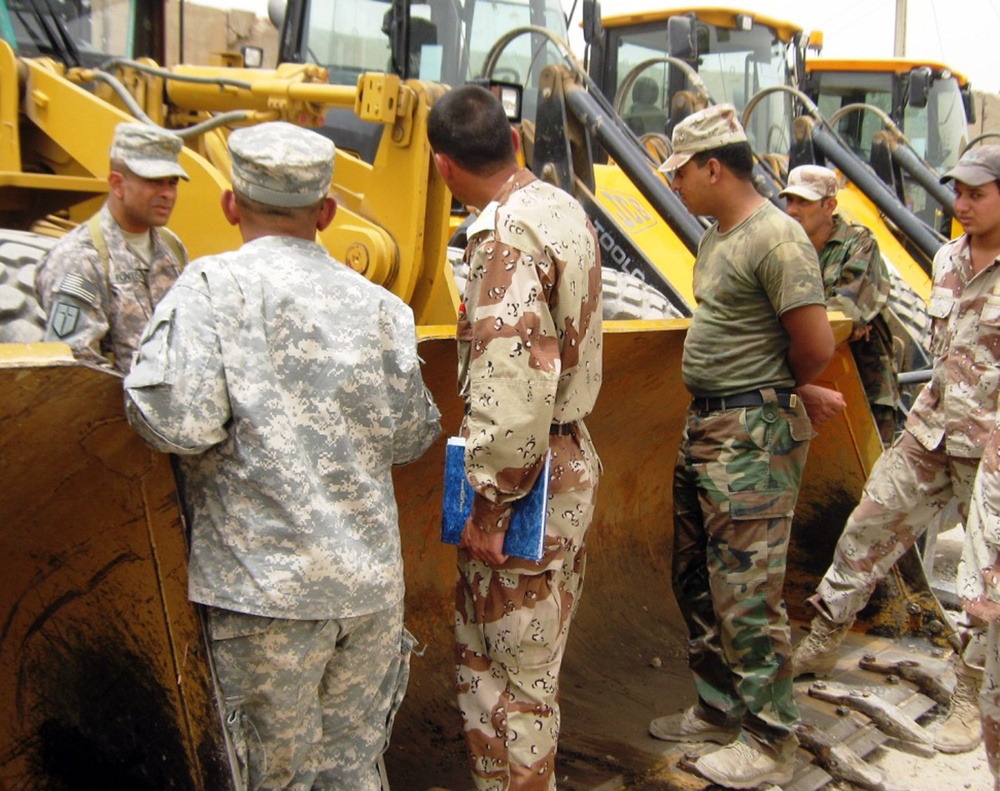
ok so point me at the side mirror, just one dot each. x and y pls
(253, 57)
(920, 86)
(969, 103)
(592, 29)
(681, 37)
(510, 95)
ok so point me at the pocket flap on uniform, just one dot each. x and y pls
(152, 366)
(991, 312)
(761, 504)
(942, 302)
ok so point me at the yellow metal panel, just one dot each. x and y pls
(717, 16)
(644, 227)
(893, 65)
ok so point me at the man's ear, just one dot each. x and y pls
(832, 205)
(230, 208)
(444, 165)
(515, 136)
(326, 214)
(116, 181)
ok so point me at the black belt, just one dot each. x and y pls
(785, 396)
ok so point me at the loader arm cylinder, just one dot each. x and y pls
(926, 240)
(923, 175)
(636, 166)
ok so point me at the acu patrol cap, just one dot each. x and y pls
(148, 151)
(978, 166)
(713, 127)
(812, 183)
(280, 164)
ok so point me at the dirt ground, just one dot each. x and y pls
(938, 773)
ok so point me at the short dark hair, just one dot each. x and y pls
(738, 157)
(469, 125)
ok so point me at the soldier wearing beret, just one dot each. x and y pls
(741, 455)
(935, 459)
(98, 286)
(856, 282)
(289, 385)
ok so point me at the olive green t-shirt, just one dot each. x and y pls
(744, 280)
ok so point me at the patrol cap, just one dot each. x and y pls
(978, 166)
(148, 151)
(713, 127)
(280, 164)
(812, 183)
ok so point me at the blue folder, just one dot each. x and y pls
(525, 536)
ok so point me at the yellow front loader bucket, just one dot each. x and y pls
(103, 670)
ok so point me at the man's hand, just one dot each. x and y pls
(860, 333)
(483, 546)
(822, 404)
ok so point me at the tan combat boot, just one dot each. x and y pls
(962, 730)
(817, 652)
(746, 764)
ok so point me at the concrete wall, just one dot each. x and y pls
(987, 116)
(208, 32)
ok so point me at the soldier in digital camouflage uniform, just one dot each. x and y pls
(978, 586)
(99, 284)
(742, 452)
(530, 363)
(935, 459)
(290, 385)
(856, 282)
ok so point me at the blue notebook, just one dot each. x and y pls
(526, 534)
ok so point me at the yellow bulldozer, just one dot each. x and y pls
(104, 676)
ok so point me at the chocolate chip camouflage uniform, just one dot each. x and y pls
(99, 313)
(529, 358)
(738, 472)
(935, 459)
(290, 385)
(856, 283)
(981, 550)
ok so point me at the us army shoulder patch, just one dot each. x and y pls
(75, 286)
(64, 318)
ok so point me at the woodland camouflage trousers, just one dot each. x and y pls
(735, 486)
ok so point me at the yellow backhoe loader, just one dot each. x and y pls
(104, 678)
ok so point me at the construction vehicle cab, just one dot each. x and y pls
(930, 103)
(735, 54)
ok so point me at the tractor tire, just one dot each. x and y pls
(625, 296)
(21, 317)
(910, 310)
(628, 297)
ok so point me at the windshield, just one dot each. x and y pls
(937, 132)
(70, 31)
(449, 39)
(733, 64)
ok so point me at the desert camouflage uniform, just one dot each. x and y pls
(856, 283)
(980, 552)
(738, 472)
(529, 358)
(935, 459)
(290, 385)
(101, 312)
